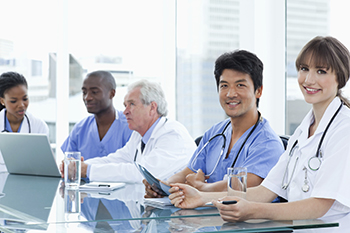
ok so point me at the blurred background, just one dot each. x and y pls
(55, 43)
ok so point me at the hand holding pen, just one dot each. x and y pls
(230, 202)
(233, 208)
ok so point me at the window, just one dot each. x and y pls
(172, 42)
(205, 30)
(305, 20)
(126, 38)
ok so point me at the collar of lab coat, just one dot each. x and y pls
(155, 134)
(24, 127)
(160, 124)
(328, 114)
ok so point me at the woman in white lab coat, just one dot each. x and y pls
(313, 174)
(13, 106)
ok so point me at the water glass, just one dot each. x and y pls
(237, 181)
(72, 170)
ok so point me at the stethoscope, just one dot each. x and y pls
(224, 145)
(314, 162)
(5, 118)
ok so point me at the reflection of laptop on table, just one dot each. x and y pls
(28, 154)
(27, 199)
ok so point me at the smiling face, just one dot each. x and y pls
(318, 84)
(97, 96)
(16, 102)
(236, 93)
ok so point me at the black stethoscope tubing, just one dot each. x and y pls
(224, 145)
(315, 157)
(5, 118)
(245, 140)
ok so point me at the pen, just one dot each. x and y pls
(222, 202)
(228, 202)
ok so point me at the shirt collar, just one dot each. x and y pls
(7, 125)
(328, 114)
(148, 134)
(309, 118)
(116, 114)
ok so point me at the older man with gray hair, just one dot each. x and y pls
(163, 146)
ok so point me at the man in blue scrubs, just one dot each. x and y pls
(107, 129)
(162, 145)
(250, 141)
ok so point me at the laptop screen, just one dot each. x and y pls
(28, 154)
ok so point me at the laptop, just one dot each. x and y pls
(28, 154)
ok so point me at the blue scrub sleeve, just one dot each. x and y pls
(263, 157)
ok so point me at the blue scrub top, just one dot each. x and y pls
(85, 138)
(8, 125)
(259, 154)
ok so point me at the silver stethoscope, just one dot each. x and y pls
(314, 162)
(5, 118)
(224, 145)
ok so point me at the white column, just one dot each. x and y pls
(62, 79)
(62, 96)
(168, 80)
(262, 31)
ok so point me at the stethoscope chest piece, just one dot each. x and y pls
(314, 163)
(305, 188)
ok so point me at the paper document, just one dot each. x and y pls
(101, 186)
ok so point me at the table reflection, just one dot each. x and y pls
(104, 209)
(72, 204)
(96, 208)
(26, 200)
(42, 204)
(343, 220)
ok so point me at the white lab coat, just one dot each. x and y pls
(36, 125)
(168, 151)
(332, 179)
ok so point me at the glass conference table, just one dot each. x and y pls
(41, 204)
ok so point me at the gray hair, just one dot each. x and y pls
(151, 91)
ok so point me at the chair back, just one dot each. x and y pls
(198, 140)
(284, 139)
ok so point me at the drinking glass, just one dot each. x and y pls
(72, 170)
(237, 181)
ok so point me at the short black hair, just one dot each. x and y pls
(241, 61)
(9, 80)
(106, 76)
